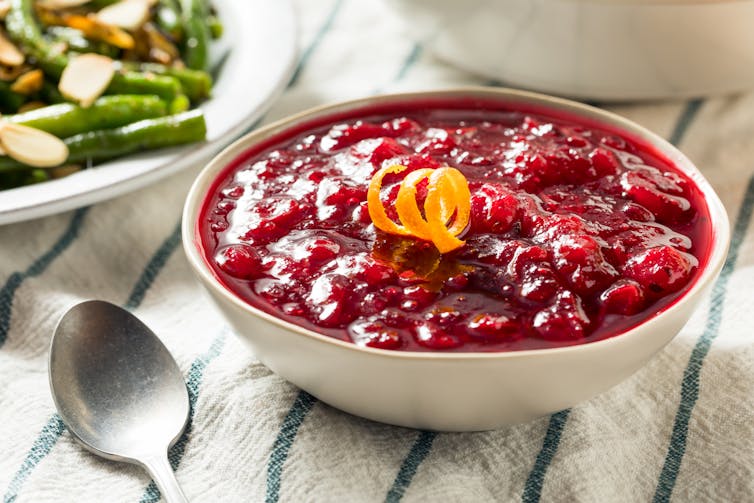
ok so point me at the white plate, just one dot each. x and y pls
(260, 43)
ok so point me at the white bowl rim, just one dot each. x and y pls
(719, 222)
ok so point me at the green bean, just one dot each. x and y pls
(24, 30)
(180, 104)
(20, 178)
(215, 27)
(196, 31)
(10, 101)
(197, 84)
(67, 119)
(164, 86)
(96, 146)
(168, 18)
(101, 4)
(50, 93)
(104, 144)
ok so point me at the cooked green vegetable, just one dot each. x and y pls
(164, 86)
(160, 72)
(67, 119)
(96, 146)
(9, 101)
(24, 30)
(169, 18)
(215, 27)
(105, 144)
(50, 93)
(196, 34)
(196, 84)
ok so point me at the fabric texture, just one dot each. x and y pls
(681, 429)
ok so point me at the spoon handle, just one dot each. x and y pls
(162, 474)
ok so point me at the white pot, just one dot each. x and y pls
(594, 49)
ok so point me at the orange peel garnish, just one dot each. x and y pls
(447, 207)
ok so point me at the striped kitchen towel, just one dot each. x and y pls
(680, 429)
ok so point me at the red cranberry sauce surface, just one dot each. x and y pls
(575, 234)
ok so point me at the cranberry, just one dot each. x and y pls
(373, 303)
(538, 283)
(374, 334)
(321, 250)
(376, 273)
(604, 161)
(493, 208)
(579, 259)
(379, 150)
(492, 326)
(525, 257)
(444, 316)
(625, 296)
(439, 142)
(434, 337)
(660, 270)
(328, 300)
(273, 217)
(239, 261)
(402, 126)
(651, 191)
(224, 207)
(219, 226)
(564, 320)
(342, 136)
(232, 192)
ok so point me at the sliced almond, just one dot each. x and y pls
(29, 82)
(2, 151)
(4, 8)
(127, 14)
(86, 77)
(31, 146)
(60, 4)
(9, 54)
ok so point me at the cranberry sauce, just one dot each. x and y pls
(576, 234)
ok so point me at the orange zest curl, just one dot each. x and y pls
(447, 207)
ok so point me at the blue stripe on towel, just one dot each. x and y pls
(153, 268)
(50, 435)
(307, 54)
(35, 269)
(292, 422)
(535, 480)
(688, 114)
(42, 446)
(193, 383)
(410, 61)
(692, 373)
(419, 451)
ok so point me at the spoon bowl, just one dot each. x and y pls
(118, 389)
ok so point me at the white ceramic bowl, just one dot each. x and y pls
(594, 49)
(450, 391)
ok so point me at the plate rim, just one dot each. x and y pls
(174, 159)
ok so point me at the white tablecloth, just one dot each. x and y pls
(682, 427)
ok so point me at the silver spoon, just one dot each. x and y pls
(118, 389)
